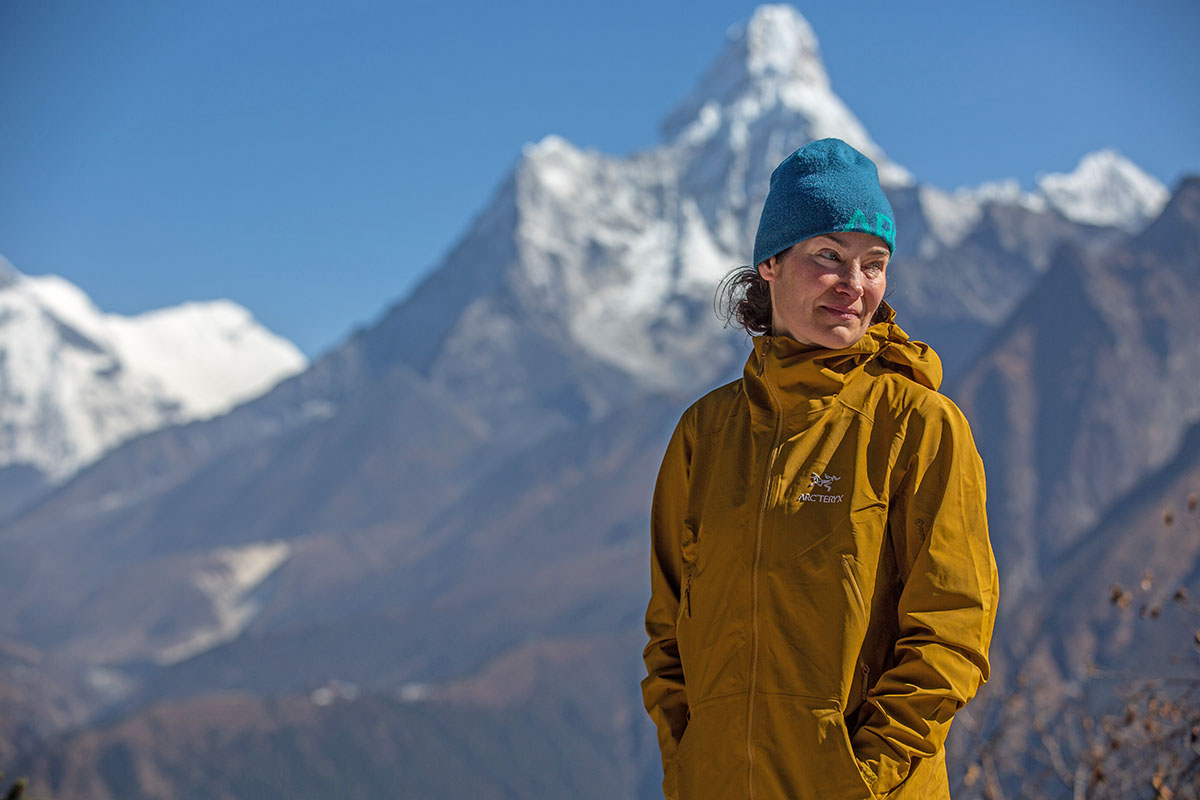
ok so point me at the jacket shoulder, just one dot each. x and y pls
(905, 398)
(711, 412)
(924, 420)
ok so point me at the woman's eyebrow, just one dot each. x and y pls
(874, 251)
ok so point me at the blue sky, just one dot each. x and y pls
(312, 160)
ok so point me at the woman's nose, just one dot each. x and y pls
(851, 281)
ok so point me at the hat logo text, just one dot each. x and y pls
(884, 228)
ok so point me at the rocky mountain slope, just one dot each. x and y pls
(1090, 386)
(354, 746)
(1105, 651)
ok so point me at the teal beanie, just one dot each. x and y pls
(824, 187)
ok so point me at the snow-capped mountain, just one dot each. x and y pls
(624, 252)
(620, 255)
(1105, 189)
(74, 381)
(964, 239)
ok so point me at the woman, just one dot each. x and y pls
(823, 589)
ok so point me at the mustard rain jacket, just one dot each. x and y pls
(823, 588)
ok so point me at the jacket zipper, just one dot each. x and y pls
(762, 509)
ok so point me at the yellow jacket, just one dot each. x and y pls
(823, 588)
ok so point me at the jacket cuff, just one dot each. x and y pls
(882, 774)
(881, 769)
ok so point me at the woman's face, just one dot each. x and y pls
(825, 290)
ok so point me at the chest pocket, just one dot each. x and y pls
(716, 552)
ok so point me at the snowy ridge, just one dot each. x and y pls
(1005, 192)
(210, 355)
(618, 250)
(952, 216)
(1105, 189)
(75, 381)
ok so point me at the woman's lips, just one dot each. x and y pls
(841, 312)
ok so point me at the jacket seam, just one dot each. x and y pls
(836, 701)
(869, 418)
(706, 701)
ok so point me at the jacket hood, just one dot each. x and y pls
(804, 375)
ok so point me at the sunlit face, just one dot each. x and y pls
(825, 290)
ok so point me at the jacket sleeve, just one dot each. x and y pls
(663, 688)
(947, 605)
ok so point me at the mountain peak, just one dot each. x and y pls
(779, 43)
(770, 78)
(1105, 188)
(776, 48)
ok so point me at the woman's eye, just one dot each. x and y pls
(829, 254)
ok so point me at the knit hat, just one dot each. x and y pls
(824, 187)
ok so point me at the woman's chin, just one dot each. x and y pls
(839, 338)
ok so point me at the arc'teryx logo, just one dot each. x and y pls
(825, 482)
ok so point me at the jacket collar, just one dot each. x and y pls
(784, 377)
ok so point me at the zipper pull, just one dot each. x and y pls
(762, 363)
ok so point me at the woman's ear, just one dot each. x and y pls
(768, 269)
